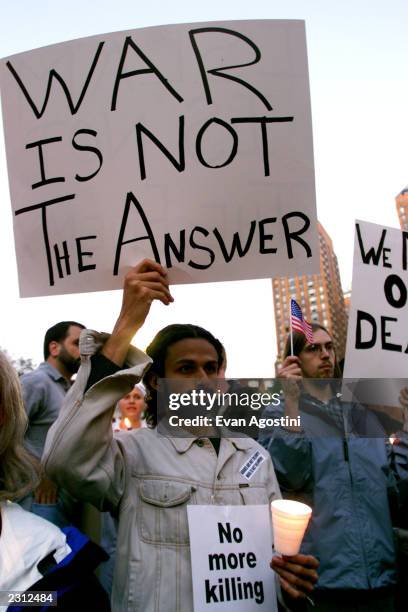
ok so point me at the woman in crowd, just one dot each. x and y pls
(130, 409)
(36, 555)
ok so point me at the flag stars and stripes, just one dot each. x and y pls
(298, 322)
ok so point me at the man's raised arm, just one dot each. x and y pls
(144, 283)
(80, 452)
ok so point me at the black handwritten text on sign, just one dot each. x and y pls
(392, 290)
(187, 144)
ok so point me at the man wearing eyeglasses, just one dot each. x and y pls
(340, 462)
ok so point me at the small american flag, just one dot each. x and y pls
(300, 324)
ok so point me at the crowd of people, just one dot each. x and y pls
(64, 446)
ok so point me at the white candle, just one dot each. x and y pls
(289, 519)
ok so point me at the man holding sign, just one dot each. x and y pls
(147, 479)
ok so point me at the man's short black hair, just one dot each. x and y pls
(58, 333)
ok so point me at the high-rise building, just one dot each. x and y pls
(319, 295)
(401, 202)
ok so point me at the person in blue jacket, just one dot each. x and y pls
(340, 462)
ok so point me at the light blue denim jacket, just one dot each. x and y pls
(147, 480)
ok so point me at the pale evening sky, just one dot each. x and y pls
(358, 53)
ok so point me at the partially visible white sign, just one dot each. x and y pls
(188, 144)
(231, 548)
(377, 338)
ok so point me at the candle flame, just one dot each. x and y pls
(128, 423)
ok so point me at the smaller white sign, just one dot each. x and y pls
(231, 548)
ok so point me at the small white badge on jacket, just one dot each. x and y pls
(252, 465)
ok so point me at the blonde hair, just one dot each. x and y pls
(19, 471)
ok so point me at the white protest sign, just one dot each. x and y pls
(188, 144)
(231, 548)
(377, 338)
